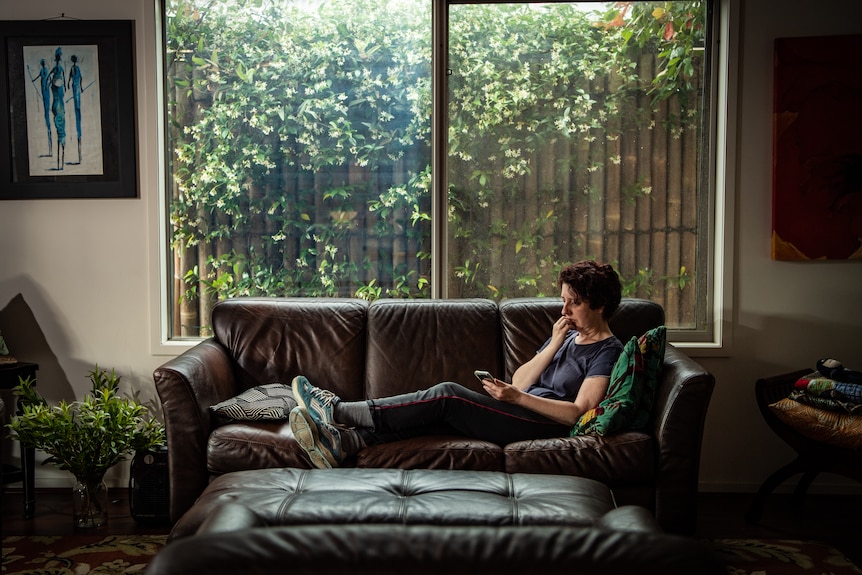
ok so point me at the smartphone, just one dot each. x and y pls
(483, 375)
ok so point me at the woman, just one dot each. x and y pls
(568, 376)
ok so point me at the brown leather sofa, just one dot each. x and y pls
(364, 350)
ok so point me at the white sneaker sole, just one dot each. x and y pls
(306, 437)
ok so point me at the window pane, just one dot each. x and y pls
(300, 154)
(575, 132)
(300, 139)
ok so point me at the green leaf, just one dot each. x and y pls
(89, 436)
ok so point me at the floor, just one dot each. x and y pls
(830, 518)
(53, 515)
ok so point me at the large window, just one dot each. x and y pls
(306, 160)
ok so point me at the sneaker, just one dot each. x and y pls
(319, 403)
(321, 441)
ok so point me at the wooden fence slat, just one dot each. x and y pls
(658, 197)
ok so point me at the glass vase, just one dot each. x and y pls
(90, 502)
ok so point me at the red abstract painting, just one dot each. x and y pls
(817, 148)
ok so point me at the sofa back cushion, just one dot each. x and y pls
(526, 323)
(635, 317)
(415, 344)
(276, 339)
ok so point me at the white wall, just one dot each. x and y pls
(77, 277)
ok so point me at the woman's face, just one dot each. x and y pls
(576, 310)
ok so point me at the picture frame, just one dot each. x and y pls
(817, 153)
(68, 126)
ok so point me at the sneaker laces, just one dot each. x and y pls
(324, 396)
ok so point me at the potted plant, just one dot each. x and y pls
(86, 437)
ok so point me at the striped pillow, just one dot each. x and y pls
(271, 402)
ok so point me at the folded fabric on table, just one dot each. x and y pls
(818, 385)
(824, 393)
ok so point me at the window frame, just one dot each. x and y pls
(721, 131)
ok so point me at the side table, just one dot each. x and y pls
(812, 456)
(9, 374)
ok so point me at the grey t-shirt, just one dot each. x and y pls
(572, 364)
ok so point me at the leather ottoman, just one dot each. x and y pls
(389, 521)
(288, 496)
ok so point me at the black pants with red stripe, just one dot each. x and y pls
(451, 408)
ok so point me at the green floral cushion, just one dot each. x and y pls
(631, 393)
(651, 346)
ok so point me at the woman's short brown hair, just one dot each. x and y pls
(597, 284)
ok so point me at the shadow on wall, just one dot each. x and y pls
(25, 337)
(26, 342)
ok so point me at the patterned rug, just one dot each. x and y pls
(782, 557)
(79, 554)
(83, 554)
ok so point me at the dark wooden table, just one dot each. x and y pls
(9, 374)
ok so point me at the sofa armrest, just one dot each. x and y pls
(187, 386)
(682, 398)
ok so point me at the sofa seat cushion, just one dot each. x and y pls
(253, 445)
(620, 459)
(434, 452)
(404, 497)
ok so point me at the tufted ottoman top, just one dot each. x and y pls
(290, 496)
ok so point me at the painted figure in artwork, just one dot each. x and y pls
(58, 106)
(45, 95)
(75, 79)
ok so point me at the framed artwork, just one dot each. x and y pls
(817, 149)
(67, 96)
